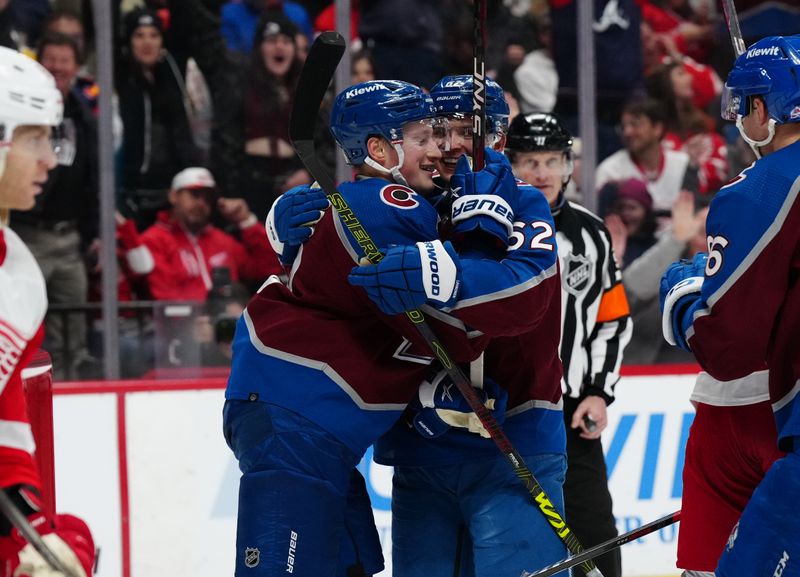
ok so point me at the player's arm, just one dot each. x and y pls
(501, 295)
(723, 307)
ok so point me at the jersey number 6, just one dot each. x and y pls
(716, 244)
(541, 232)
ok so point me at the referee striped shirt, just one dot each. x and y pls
(595, 319)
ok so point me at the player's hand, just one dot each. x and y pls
(680, 287)
(485, 200)
(291, 220)
(594, 408)
(410, 276)
(297, 211)
(439, 405)
(67, 537)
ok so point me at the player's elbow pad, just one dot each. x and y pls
(677, 304)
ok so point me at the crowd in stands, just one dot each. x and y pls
(203, 91)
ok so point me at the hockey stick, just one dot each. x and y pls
(606, 546)
(319, 68)
(732, 20)
(479, 84)
(15, 516)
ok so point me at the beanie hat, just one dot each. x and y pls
(141, 17)
(636, 189)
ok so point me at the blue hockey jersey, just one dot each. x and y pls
(748, 315)
(321, 348)
(526, 365)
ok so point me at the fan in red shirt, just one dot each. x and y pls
(186, 247)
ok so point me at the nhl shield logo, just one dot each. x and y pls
(252, 556)
(576, 273)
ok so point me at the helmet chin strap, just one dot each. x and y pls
(394, 171)
(756, 144)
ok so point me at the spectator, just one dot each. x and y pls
(240, 20)
(326, 20)
(658, 49)
(618, 62)
(361, 67)
(62, 228)
(186, 247)
(687, 127)
(536, 78)
(69, 23)
(405, 39)
(644, 157)
(251, 153)
(686, 236)
(690, 32)
(157, 140)
(627, 208)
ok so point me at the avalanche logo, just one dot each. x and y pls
(577, 272)
(399, 196)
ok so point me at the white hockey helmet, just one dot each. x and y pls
(28, 96)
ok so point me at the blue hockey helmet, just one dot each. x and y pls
(376, 108)
(770, 69)
(453, 95)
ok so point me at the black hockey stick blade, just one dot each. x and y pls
(320, 66)
(606, 546)
(15, 516)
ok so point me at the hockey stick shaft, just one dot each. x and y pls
(606, 546)
(15, 516)
(479, 84)
(732, 21)
(318, 69)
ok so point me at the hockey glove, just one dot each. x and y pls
(484, 200)
(680, 289)
(439, 405)
(67, 537)
(410, 276)
(291, 220)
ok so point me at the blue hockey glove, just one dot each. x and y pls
(680, 288)
(484, 200)
(439, 405)
(291, 220)
(410, 276)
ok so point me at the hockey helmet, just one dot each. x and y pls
(453, 95)
(538, 132)
(770, 68)
(28, 94)
(376, 108)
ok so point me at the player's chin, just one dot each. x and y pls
(422, 181)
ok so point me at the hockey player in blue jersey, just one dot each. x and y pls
(737, 308)
(321, 368)
(446, 518)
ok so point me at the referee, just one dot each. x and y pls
(595, 326)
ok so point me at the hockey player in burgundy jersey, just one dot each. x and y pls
(323, 365)
(30, 105)
(481, 527)
(738, 307)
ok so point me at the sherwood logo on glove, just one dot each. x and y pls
(439, 273)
